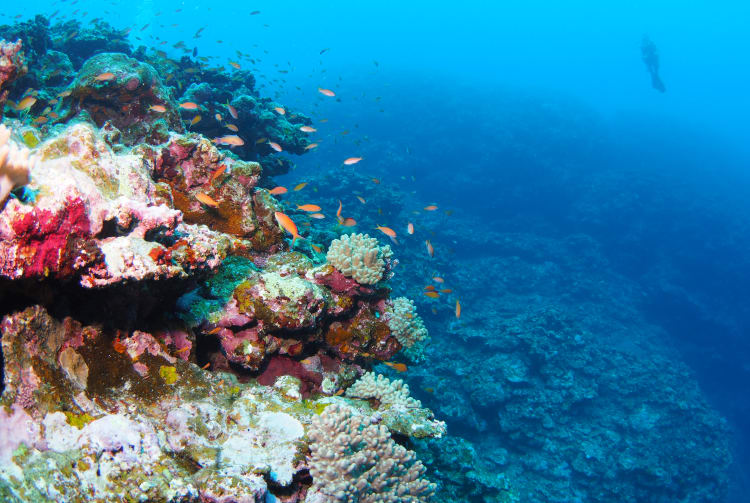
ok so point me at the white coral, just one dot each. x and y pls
(406, 326)
(360, 257)
(15, 165)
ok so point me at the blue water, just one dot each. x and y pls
(531, 123)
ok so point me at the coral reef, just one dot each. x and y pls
(11, 68)
(15, 165)
(360, 257)
(353, 459)
(404, 322)
(400, 412)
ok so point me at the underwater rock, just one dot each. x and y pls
(12, 66)
(80, 42)
(96, 217)
(129, 94)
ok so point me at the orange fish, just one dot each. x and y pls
(232, 127)
(352, 160)
(307, 129)
(195, 120)
(319, 216)
(349, 222)
(207, 200)
(288, 225)
(430, 249)
(410, 228)
(308, 207)
(317, 248)
(387, 231)
(438, 279)
(431, 207)
(375, 181)
(214, 331)
(458, 309)
(218, 117)
(280, 110)
(275, 146)
(216, 174)
(300, 186)
(41, 120)
(397, 366)
(338, 212)
(430, 287)
(432, 295)
(189, 105)
(232, 111)
(278, 190)
(361, 199)
(102, 77)
(326, 92)
(446, 290)
(26, 103)
(234, 141)
(311, 146)
(235, 65)
(158, 108)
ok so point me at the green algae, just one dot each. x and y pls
(169, 374)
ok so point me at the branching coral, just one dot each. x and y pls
(358, 256)
(400, 412)
(15, 165)
(406, 325)
(354, 460)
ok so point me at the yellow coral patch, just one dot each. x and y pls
(169, 374)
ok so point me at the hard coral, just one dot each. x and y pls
(353, 459)
(358, 256)
(15, 165)
(406, 325)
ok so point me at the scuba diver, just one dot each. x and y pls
(650, 56)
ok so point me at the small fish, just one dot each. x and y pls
(376, 181)
(307, 129)
(235, 141)
(214, 331)
(311, 146)
(446, 290)
(275, 146)
(261, 140)
(308, 207)
(430, 288)
(255, 13)
(206, 199)
(218, 117)
(319, 216)
(429, 390)
(158, 108)
(288, 225)
(317, 248)
(232, 127)
(430, 249)
(324, 50)
(26, 103)
(431, 207)
(232, 111)
(235, 65)
(41, 120)
(361, 199)
(338, 212)
(216, 174)
(410, 228)
(195, 120)
(280, 110)
(396, 366)
(349, 222)
(189, 105)
(278, 191)
(387, 231)
(300, 186)
(432, 295)
(65, 93)
(438, 279)
(458, 309)
(326, 92)
(102, 77)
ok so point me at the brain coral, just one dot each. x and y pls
(406, 325)
(358, 256)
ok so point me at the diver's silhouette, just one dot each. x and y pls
(650, 56)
